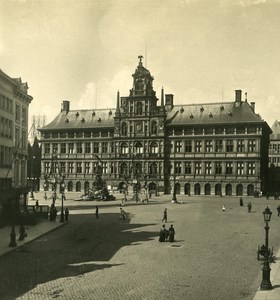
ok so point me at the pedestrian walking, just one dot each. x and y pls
(162, 234)
(37, 205)
(97, 211)
(249, 207)
(171, 233)
(66, 214)
(223, 208)
(164, 215)
(278, 210)
(241, 201)
(122, 216)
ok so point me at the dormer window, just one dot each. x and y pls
(210, 115)
(83, 120)
(77, 114)
(99, 120)
(93, 113)
(66, 120)
(110, 113)
(221, 107)
(181, 110)
(191, 116)
(230, 113)
(201, 109)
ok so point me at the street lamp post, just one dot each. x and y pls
(174, 198)
(62, 188)
(266, 284)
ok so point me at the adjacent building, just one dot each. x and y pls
(274, 159)
(14, 103)
(197, 149)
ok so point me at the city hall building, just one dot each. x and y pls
(198, 149)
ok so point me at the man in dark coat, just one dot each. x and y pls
(171, 233)
(162, 233)
(164, 216)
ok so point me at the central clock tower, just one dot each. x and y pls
(139, 129)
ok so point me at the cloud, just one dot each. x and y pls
(88, 98)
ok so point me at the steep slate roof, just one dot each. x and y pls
(212, 113)
(96, 118)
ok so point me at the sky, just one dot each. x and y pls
(200, 51)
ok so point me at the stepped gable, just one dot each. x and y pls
(212, 113)
(275, 135)
(76, 119)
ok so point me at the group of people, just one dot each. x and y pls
(167, 235)
(53, 213)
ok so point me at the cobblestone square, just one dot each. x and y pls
(213, 256)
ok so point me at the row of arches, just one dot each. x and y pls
(208, 189)
(139, 147)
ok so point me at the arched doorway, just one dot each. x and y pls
(197, 189)
(218, 189)
(228, 189)
(177, 188)
(250, 190)
(70, 186)
(187, 189)
(239, 190)
(78, 186)
(207, 189)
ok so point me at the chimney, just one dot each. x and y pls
(253, 106)
(65, 106)
(238, 94)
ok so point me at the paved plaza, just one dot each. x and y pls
(213, 256)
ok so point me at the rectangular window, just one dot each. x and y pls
(219, 130)
(240, 168)
(188, 168)
(104, 168)
(71, 148)
(229, 145)
(251, 168)
(251, 130)
(62, 135)
(197, 168)
(63, 167)
(17, 138)
(79, 168)
(240, 146)
(87, 167)
(104, 147)
(208, 168)
(87, 147)
(218, 168)
(24, 139)
(198, 131)
(79, 134)
(219, 145)
(229, 168)
(178, 146)
(230, 130)
(208, 146)
(55, 147)
(252, 146)
(79, 148)
(112, 147)
(208, 131)
(178, 167)
(188, 146)
(17, 113)
(198, 146)
(63, 148)
(240, 130)
(47, 167)
(87, 134)
(95, 147)
(71, 134)
(70, 167)
(47, 148)
(24, 116)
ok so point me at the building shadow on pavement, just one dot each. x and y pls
(85, 244)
